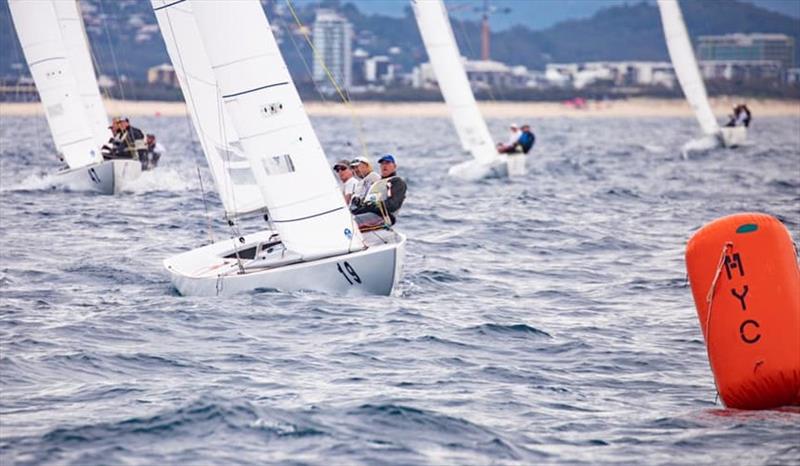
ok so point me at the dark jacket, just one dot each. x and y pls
(396, 194)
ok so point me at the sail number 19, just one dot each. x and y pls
(350, 275)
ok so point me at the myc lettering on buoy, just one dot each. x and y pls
(745, 281)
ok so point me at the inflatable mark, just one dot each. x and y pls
(746, 285)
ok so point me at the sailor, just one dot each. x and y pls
(114, 148)
(385, 199)
(522, 145)
(743, 116)
(133, 141)
(154, 152)
(511, 141)
(526, 139)
(348, 181)
(363, 170)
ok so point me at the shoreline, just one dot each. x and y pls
(630, 108)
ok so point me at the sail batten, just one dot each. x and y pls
(443, 53)
(685, 64)
(40, 35)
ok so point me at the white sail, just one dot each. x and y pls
(682, 56)
(303, 198)
(39, 35)
(440, 43)
(231, 170)
(79, 55)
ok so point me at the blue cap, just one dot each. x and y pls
(387, 158)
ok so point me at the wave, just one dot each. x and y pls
(512, 330)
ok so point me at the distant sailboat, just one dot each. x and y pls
(54, 43)
(440, 43)
(266, 160)
(683, 59)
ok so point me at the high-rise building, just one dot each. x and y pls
(333, 40)
(747, 47)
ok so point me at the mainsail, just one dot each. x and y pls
(682, 56)
(437, 35)
(230, 168)
(79, 56)
(40, 36)
(301, 194)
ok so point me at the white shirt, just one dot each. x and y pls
(366, 184)
(350, 186)
(513, 138)
(158, 149)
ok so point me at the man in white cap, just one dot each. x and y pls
(363, 170)
(513, 137)
(386, 197)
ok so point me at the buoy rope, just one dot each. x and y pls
(710, 296)
(710, 301)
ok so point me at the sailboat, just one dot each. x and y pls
(685, 64)
(56, 49)
(440, 43)
(266, 161)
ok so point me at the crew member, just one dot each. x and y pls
(363, 170)
(386, 197)
(154, 152)
(348, 181)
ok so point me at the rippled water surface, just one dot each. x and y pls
(540, 320)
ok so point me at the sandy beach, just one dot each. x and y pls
(631, 108)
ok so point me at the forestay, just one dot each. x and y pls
(440, 43)
(79, 56)
(231, 170)
(682, 56)
(39, 35)
(304, 200)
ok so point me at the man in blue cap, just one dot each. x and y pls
(385, 199)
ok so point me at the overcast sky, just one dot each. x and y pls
(540, 14)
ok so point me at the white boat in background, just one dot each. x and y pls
(54, 43)
(683, 60)
(266, 161)
(440, 43)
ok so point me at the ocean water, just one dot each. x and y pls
(545, 320)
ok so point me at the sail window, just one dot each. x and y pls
(278, 164)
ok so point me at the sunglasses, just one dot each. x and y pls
(339, 168)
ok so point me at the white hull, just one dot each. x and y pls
(516, 165)
(214, 270)
(504, 166)
(733, 136)
(108, 177)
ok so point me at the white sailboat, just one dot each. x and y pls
(683, 59)
(54, 43)
(440, 43)
(266, 160)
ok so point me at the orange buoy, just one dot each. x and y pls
(746, 286)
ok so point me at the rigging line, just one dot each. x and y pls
(465, 36)
(95, 63)
(205, 204)
(345, 100)
(305, 63)
(111, 50)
